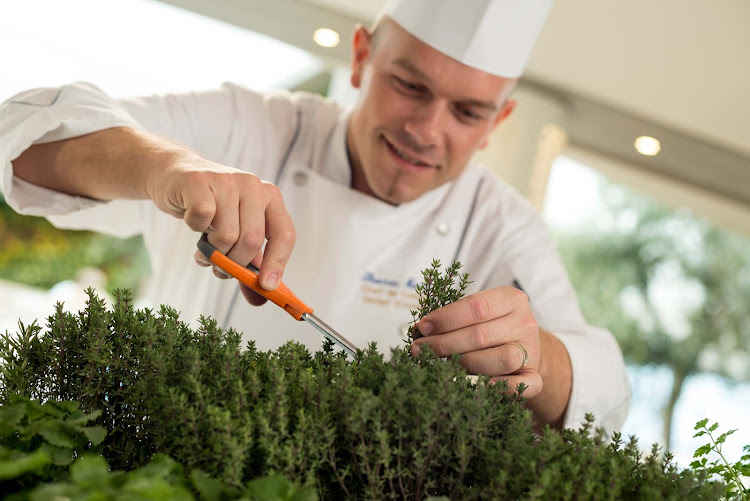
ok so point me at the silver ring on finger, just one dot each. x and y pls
(525, 355)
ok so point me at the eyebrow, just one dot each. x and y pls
(406, 65)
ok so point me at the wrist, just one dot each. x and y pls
(544, 353)
(163, 159)
(556, 372)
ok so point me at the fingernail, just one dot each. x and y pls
(220, 273)
(426, 328)
(272, 280)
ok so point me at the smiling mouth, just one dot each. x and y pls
(404, 156)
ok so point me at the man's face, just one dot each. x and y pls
(420, 117)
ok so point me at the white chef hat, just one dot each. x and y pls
(495, 36)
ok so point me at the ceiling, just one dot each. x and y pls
(676, 67)
(684, 63)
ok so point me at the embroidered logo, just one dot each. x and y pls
(388, 291)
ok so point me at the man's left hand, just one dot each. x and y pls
(493, 331)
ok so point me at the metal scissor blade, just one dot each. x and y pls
(330, 334)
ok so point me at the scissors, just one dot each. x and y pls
(282, 296)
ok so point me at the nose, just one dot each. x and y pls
(424, 124)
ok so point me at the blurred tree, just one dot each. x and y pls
(673, 289)
(34, 252)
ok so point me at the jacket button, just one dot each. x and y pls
(443, 228)
(300, 178)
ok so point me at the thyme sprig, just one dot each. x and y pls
(436, 291)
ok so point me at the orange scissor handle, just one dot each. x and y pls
(282, 295)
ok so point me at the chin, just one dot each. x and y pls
(401, 197)
(381, 184)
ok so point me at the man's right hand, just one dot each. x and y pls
(235, 208)
(238, 210)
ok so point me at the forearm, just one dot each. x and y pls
(549, 406)
(106, 165)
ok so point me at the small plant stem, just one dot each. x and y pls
(717, 448)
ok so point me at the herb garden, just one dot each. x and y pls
(121, 403)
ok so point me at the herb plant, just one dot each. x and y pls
(368, 428)
(38, 442)
(729, 472)
(436, 291)
(48, 452)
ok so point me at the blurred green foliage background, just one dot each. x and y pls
(34, 252)
(673, 288)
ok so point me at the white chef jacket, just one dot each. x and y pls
(357, 259)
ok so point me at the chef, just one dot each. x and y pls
(365, 198)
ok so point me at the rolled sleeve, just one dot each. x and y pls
(600, 380)
(528, 256)
(46, 115)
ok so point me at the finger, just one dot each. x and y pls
(281, 238)
(224, 230)
(473, 309)
(251, 296)
(219, 273)
(529, 377)
(252, 228)
(472, 338)
(258, 259)
(497, 361)
(201, 260)
(199, 209)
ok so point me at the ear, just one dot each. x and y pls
(504, 113)
(360, 52)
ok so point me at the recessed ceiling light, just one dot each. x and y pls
(326, 37)
(647, 145)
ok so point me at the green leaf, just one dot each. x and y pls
(209, 488)
(95, 434)
(18, 465)
(82, 418)
(714, 427)
(89, 470)
(7, 429)
(699, 434)
(11, 415)
(55, 436)
(53, 492)
(60, 456)
(702, 451)
(277, 488)
(155, 489)
(160, 466)
(715, 468)
(701, 424)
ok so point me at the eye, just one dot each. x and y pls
(468, 115)
(407, 86)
